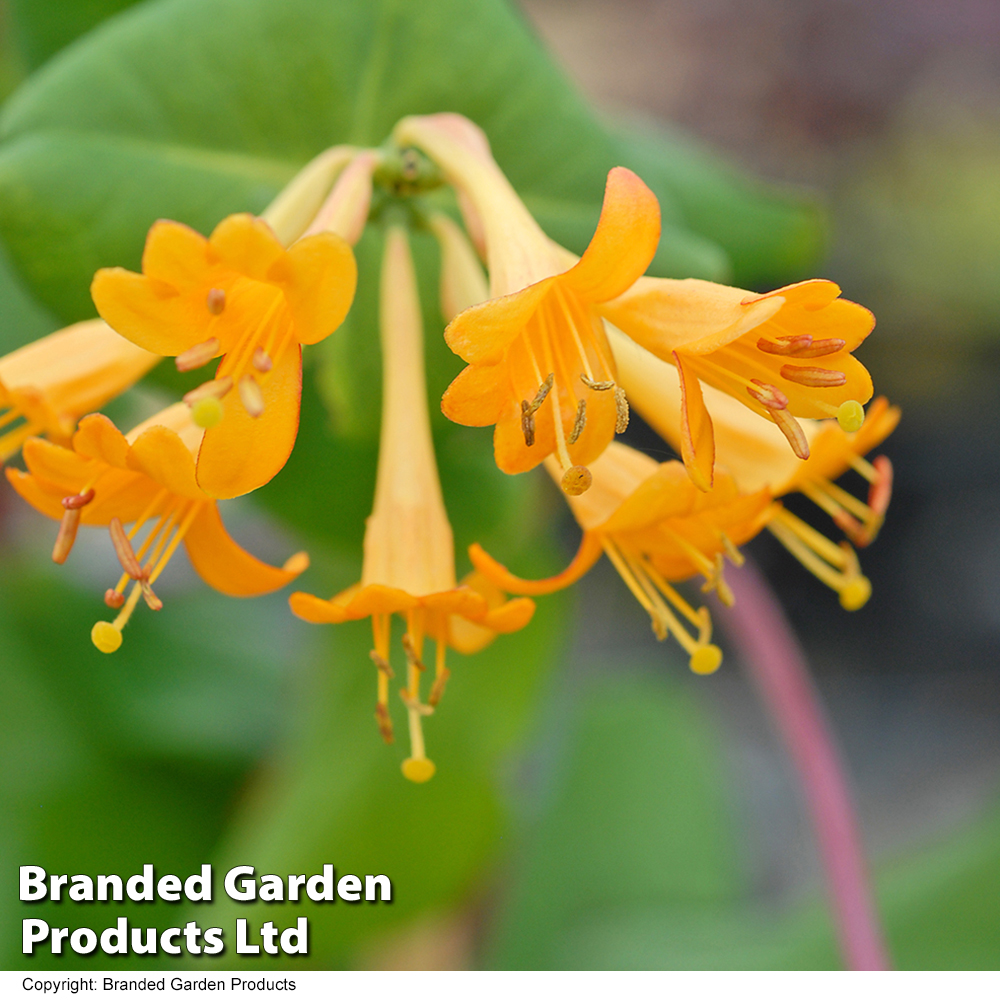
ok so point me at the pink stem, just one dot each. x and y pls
(758, 629)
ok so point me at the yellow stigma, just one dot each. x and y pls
(855, 594)
(850, 415)
(576, 480)
(418, 769)
(207, 412)
(706, 659)
(105, 637)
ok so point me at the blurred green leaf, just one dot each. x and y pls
(21, 318)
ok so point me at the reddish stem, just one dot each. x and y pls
(758, 629)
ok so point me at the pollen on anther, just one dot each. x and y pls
(113, 599)
(262, 360)
(250, 395)
(195, 357)
(216, 301)
(621, 410)
(580, 422)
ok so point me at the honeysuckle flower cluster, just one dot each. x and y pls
(759, 394)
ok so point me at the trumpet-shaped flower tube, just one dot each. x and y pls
(756, 455)
(409, 560)
(46, 386)
(539, 366)
(146, 479)
(240, 295)
(657, 528)
(786, 354)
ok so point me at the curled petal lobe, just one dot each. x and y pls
(625, 241)
(697, 439)
(97, 437)
(477, 396)
(227, 567)
(589, 552)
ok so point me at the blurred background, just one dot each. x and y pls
(596, 805)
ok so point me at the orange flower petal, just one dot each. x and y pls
(245, 244)
(57, 466)
(510, 616)
(97, 437)
(318, 276)
(161, 455)
(589, 552)
(697, 439)
(175, 254)
(243, 453)
(31, 490)
(480, 335)
(623, 245)
(227, 567)
(477, 396)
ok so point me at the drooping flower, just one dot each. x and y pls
(785, 354)
(46, 386)
(539, 364)
(239, 294)
(409, 561)
(657, 528)
(144, 478)
(755, 453)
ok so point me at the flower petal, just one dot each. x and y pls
(697, 439)
(589, 552)
(318, 276)
(161, 455)
(227, 567)
(246, 244)
(477, 396)
(243, 452)
(623, 245)
(97, 437)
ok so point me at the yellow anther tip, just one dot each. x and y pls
(855, 595)
(706, 660)
(105, 637)
(851, 415)
(576, 480)
(207, 412)
(418, 770)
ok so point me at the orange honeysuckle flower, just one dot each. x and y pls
(409, 560)
(239, 294)
(657, 528)
(144, 477)
(755, 453)
(46, 386)
(785, 354)
(539, 364)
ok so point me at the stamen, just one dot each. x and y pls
(527, 423)
(414, 704)
(123, 549)
(412, 657)
(580, 422)
(768, 395)
(382, 664)
(262, 360)
(78, 500)
(216, 301)
(802, 346)
(70, 524)
(880, 492)
(384, 722)
(113, 599)
(195, 357)
(441, 675)
(214, 389)
(597, 386)
(815, 377)
(735, 556)
(543, 390)
(621, 410)
(152, 601)
(416, 767)
(792, 430)
(251, 396)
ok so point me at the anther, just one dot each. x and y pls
(768, 395)
(261, 360)
(411, 654)
(858, 533)
(216, 301)
(576, 479)
(580, 422)
(415, 704)
(543, 391)
(437, 689)
(621, 410)
(817, 377)
(195, 357)
(124, 551)
(384, 722)
(596, 386)
(113, 599)
(152, 601)
(792, 430)
(382, 664)
(214, 389)
(250, 395)
(82, 499)
(880, 492)
(802, 346)
(527, 423)
(68, 528)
